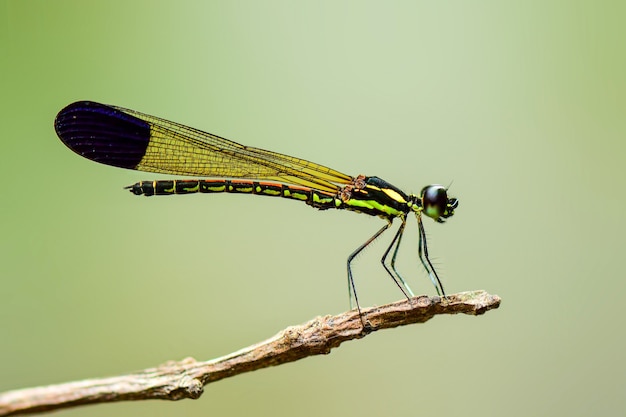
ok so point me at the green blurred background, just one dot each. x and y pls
(520, 104)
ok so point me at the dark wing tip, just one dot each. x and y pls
(103, 134)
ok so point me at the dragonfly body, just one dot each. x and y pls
(368, 195)
(130, 139)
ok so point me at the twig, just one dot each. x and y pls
(186, 379)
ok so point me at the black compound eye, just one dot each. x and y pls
(434, 201)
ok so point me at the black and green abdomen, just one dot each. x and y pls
(372, 197)
(315, 198)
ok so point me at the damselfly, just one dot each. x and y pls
(129, 139)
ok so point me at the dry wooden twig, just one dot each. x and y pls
(186, 378)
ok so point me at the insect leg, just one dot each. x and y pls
(351, 286)
(404, 287)
(423, 254)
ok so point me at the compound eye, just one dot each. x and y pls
(434, 201)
